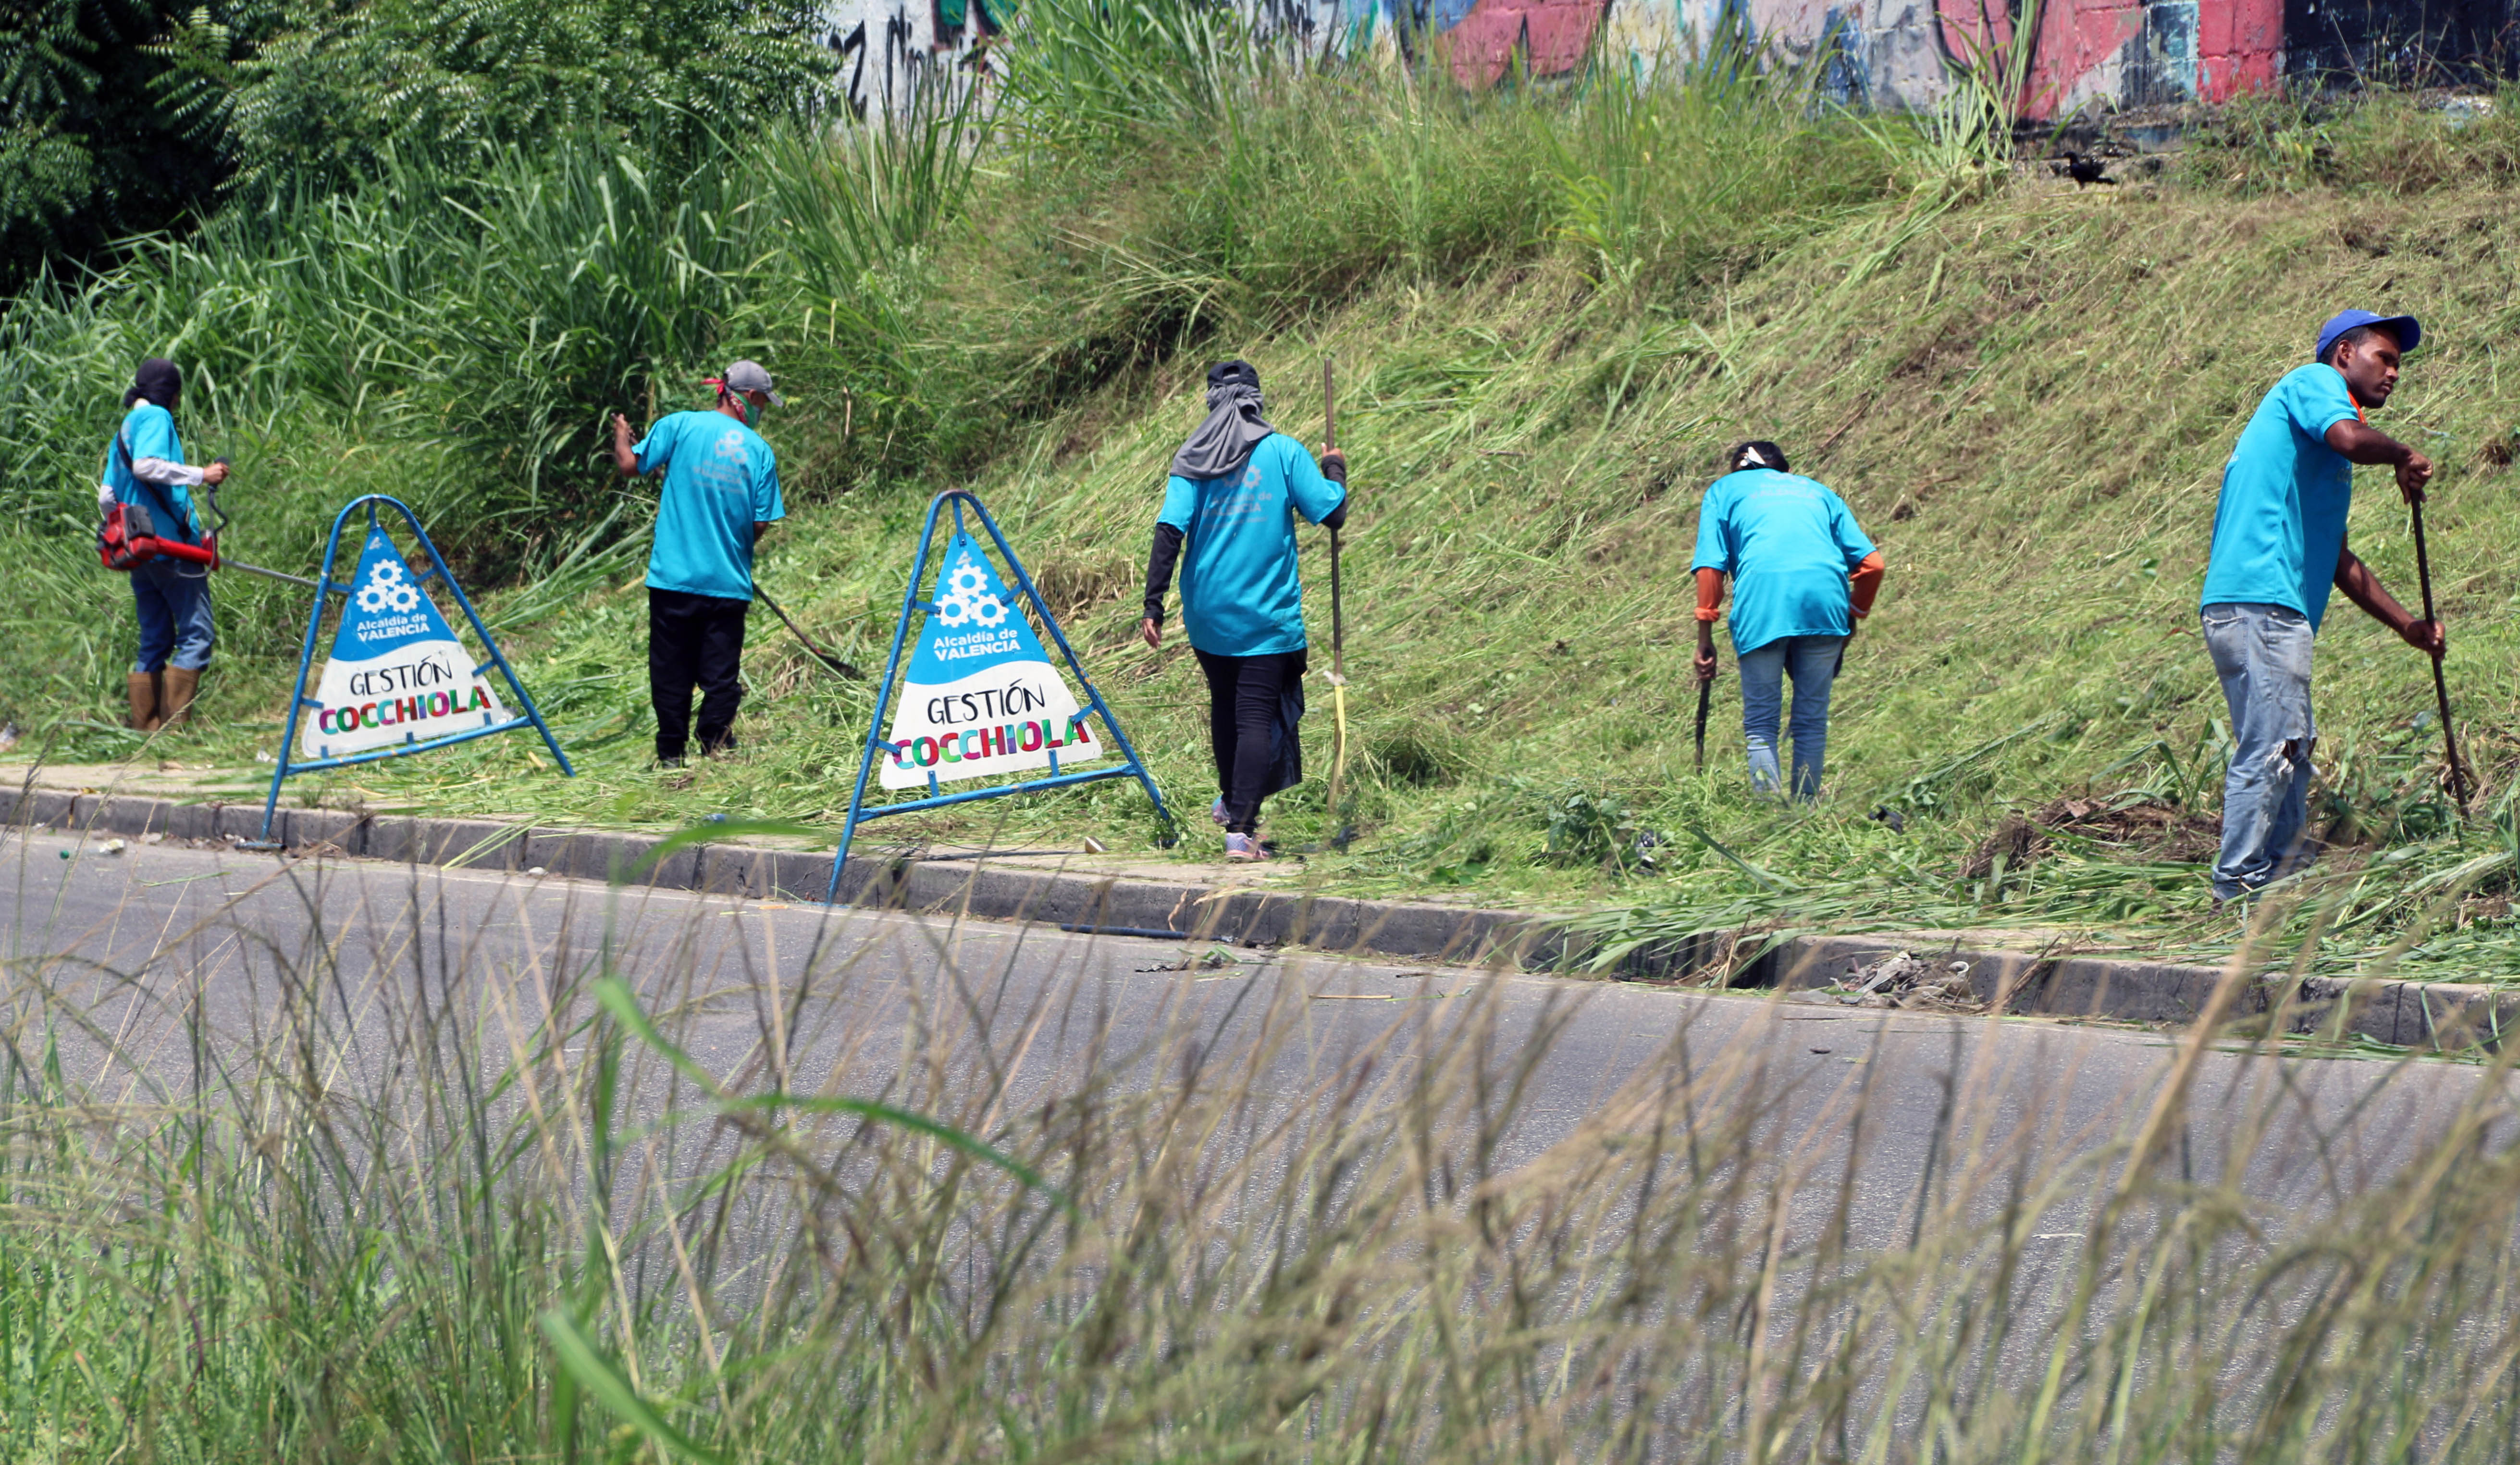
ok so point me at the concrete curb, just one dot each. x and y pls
(2444, 1016)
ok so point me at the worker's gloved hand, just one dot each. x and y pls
(1334, 466)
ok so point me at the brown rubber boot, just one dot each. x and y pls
(177, 707)
(143, 689)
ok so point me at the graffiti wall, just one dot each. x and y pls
(2083, 55)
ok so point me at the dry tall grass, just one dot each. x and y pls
(352, 1166)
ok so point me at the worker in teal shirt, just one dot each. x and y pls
(2278, 548)
(145, 470)
(720, 496)
(1235, 487)
(1802, 574)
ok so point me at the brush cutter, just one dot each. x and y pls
(1341, 834)
(2441, 687)
(207, 551)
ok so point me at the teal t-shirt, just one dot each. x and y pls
(149, 432)
(720, 480)
(1789, 543)
(2280, 525)
(1240, 596)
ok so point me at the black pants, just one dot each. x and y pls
(694, 639)
(1245, 696)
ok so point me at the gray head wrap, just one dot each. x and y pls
(1234, 425)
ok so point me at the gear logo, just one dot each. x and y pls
(388, 590)
(731, 447)
(967, 599)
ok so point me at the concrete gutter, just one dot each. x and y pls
(2438, 1016)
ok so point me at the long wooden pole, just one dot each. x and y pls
(2441, 685)
(1338, 629)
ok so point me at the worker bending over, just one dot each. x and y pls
(720, 496)
(1802, 575)
(2278, 548)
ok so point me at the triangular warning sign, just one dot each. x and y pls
(397, 674)
(980, 696)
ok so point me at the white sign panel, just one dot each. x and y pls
(396, 675)
(980, 696)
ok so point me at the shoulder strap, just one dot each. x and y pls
(175, 521)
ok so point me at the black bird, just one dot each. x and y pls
(2086, 170)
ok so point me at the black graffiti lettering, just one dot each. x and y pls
(848, 48)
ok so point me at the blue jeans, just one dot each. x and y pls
(174, 600)
(1812, 661)
(2262, 654)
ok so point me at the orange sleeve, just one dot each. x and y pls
(1710, 594)
(1866, 583)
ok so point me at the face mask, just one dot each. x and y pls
(724, 394)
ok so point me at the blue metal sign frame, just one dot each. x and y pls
(1130, 765)
(299, 702)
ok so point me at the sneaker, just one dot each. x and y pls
(1245, 847)
(1216, 811)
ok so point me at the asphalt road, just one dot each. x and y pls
(129, 958)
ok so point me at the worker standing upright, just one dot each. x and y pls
(145, 471)
(1803, 575)
(1233, 492)
(719, 497)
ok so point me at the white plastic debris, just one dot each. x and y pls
(538, 870)
(112, 846)
(1903, 981)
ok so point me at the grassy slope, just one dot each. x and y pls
(2027, 404)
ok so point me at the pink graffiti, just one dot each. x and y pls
(1554, 33)
(2238, 46)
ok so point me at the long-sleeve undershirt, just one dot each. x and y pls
(1165, 553)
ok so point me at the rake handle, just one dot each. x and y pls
(2440, 684)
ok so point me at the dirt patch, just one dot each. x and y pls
(2144, 829)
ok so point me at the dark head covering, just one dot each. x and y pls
(158, 380)
(1234, 425)
(1758, 454)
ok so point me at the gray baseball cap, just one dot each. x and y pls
(752, 376)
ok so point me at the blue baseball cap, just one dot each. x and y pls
(2407, 331)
